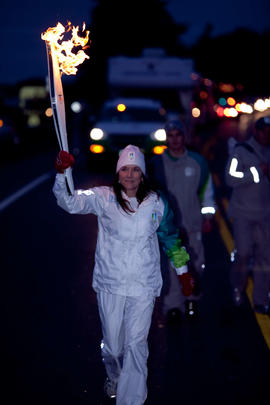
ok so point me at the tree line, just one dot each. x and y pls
(127, 27)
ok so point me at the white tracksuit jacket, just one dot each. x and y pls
(127, 259)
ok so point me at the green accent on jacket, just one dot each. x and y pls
(178, 255)
(169, 237)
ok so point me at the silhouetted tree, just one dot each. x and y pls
(237, 57)
(122, 27)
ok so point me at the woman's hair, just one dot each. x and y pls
(144, 190)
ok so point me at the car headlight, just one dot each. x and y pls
(96, 134)
(160, 135)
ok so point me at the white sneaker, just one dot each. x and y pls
(110, 388)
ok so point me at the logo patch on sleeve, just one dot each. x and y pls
(112, 198)
(154, 216)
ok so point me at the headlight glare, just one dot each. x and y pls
(160, 135)
(96, 134)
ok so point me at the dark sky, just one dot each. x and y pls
(27, 19)
(225, 15)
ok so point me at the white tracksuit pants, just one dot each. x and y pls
(125, 326)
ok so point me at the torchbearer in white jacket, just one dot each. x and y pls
(127, 277)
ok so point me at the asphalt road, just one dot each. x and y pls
(50, 325)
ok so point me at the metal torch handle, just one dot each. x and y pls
(58, 107)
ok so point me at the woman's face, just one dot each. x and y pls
(130, 177)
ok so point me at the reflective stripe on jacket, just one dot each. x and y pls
(250, 187)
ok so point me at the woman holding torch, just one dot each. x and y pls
(132, 218)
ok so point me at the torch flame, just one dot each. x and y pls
(67, 59)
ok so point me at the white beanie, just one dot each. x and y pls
(131, 155)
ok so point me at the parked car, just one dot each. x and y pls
(124, 121)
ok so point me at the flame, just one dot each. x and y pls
(67, 59)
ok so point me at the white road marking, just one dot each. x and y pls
(24, 190)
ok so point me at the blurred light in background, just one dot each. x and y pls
(49, 112)
(158, 150)
(230, 112)
(203, 95)
(222, 101)
(195, 112)
(96, 134)
(194, 76)
(76, 107)
(238, 107)
(160, 135)
(259, 105)
(231, 101)
(121, 107)
(226, 87)
(267, 102)
(246, 108)
(33, 121)
(220, 111)
(207, 82)
(96, 148)
(162, 111)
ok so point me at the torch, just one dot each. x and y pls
(62, 59)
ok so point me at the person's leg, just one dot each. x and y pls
(196, 267)
(197, 252)
(111, 311)
(132, 389)
(261, 268)
(173, 299)
(243, 233)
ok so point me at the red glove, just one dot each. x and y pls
(63, 161)
(187, 282)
